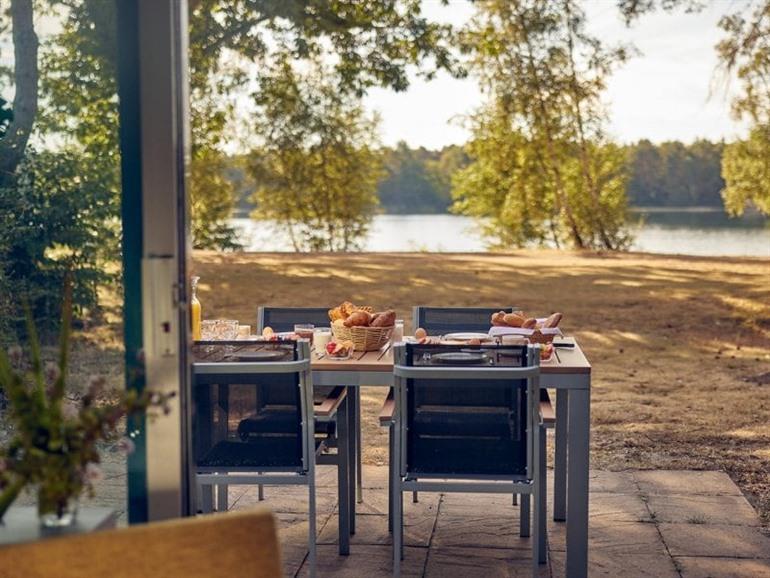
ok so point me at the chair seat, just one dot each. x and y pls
(466, 456)
(264, 452)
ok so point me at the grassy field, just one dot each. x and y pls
(680, 346)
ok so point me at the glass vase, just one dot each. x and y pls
(56, 509)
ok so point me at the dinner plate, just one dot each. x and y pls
(459, 357)
(257, 355)
(466, 336)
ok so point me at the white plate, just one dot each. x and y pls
(465, 336)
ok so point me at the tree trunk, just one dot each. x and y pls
(25, 45)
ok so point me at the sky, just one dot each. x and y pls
(668, 91)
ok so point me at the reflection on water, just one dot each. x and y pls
(689, 232)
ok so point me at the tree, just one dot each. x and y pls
(317, 170)
(544, 75)
(25, 101)
(673, 174)
(746, 169)
(745, 50)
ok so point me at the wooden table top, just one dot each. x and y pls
(564, 360)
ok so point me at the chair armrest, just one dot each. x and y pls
(331, 403)
(388, 408)
(547, 414)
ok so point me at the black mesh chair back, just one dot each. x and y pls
(469, 427)
(441, 320)
(282, 319)
(245, 420)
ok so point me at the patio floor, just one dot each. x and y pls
(642, 523)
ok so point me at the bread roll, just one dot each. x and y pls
(529, 323)
(513, 320)
(384, 319)
(498, 319)
(552, 321)
(358, 319)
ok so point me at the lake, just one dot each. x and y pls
(685, 231)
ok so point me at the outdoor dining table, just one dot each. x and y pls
(569, 372)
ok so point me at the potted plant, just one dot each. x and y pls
(54, 445)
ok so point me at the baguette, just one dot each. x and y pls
(552, 321)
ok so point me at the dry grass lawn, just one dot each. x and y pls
(680, 346)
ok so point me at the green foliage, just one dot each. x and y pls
(317, 171)
(745, 50)
(418, 180)
(542, 128)
(55, 437)
(673, 174)
(56, 217)
(6, 117)
(370, 42)
(746, 169)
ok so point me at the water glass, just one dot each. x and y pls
(304, 331)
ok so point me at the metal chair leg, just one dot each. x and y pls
(261, 491)
(222, 490)
(414, 498)
(206, 498)
(390, 478)
(311, 519)
(515, 500)
(525, 515)
(343, 477)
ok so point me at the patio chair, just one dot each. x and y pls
(238, 544)
(467, 428)
(250, 424)
(282, 319)
(442, 320)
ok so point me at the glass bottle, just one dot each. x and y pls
(195, 311)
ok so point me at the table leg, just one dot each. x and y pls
(359, 449)
(351, 448)
(579, 427)
(560, 459)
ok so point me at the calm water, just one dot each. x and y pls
(690, 232)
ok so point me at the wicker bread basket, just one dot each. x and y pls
(363, 338)
(538, 337)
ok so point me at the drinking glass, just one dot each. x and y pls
(321, 337)
(398, 332)
(304, 331)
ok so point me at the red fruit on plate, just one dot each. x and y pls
(330, 347)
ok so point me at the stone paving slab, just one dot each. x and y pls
(366, 562)
(723, 568)
(685, 482)
(715, 540)
(612, 564)
(488, 562)
(694, 509)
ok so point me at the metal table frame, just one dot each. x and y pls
(573, 425)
